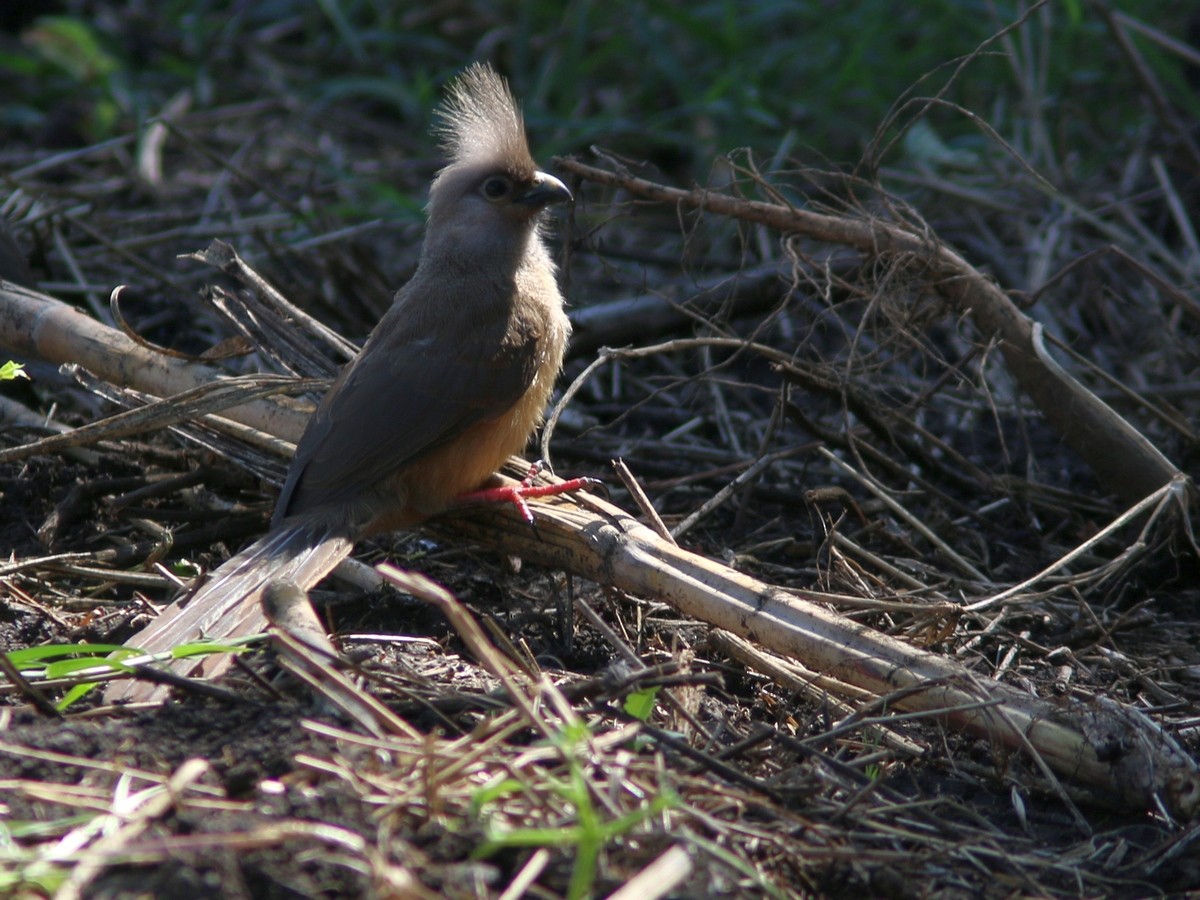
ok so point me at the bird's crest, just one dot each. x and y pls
(480, 122)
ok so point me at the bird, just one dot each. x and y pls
(452, 381)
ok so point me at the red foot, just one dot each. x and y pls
(526, 489)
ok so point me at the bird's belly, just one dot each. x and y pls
(433, 483)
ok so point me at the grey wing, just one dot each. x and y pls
(402, 397)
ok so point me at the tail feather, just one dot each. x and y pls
(229, 605)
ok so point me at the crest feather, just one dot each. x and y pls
(479, 121)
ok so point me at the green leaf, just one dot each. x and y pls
(73, 46)
(185, 568)
(32, 657)
(640, 704)
(74, 695)
(491, 792)
(204, 648)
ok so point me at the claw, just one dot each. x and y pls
(517, 495)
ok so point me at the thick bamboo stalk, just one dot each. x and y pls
(38, 326)
(1114, 752)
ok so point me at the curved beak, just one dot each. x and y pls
(546, 190)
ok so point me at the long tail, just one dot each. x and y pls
(229, 605)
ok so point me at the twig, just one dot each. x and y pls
(1123, 459)
(944, 548)
(1175, 491)
(658, 879)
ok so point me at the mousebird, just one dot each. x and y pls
(452, 381)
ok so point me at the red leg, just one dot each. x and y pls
(517, 494)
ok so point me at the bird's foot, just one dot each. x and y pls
(518, 494)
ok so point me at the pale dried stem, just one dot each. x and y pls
(1122, 458)
(603, 543)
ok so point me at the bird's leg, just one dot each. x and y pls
(518, 494)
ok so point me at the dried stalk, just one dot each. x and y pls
(1113, 751)
(39, 326)
(1122, 458)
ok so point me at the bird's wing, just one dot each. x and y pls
(409, 391)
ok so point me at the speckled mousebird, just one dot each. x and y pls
(452, 381)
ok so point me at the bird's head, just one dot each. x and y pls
(490, 194)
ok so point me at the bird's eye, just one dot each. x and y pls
(496, 187)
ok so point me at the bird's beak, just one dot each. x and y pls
(546, 190)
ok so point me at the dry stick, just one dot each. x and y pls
(659, 878)
(1167, 415)
(529, 873)
(608, 354)
(37, 325)
(14, 415)
(133, 399)
(1176, 124)
(898, 576)
(630, 319)
(1179, 212)
(428, 590)
(1122, 458)
(221, 255)
(639, 497)
(183, 407)
(131, 817)
(305, 652)
(902, 513)
(751, 473)
(818, 688)
(1075, 740)
(1174, 492)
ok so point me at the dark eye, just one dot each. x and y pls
(496, 187)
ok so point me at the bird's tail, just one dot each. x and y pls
(303, 551)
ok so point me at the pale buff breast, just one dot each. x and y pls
(466, 463)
